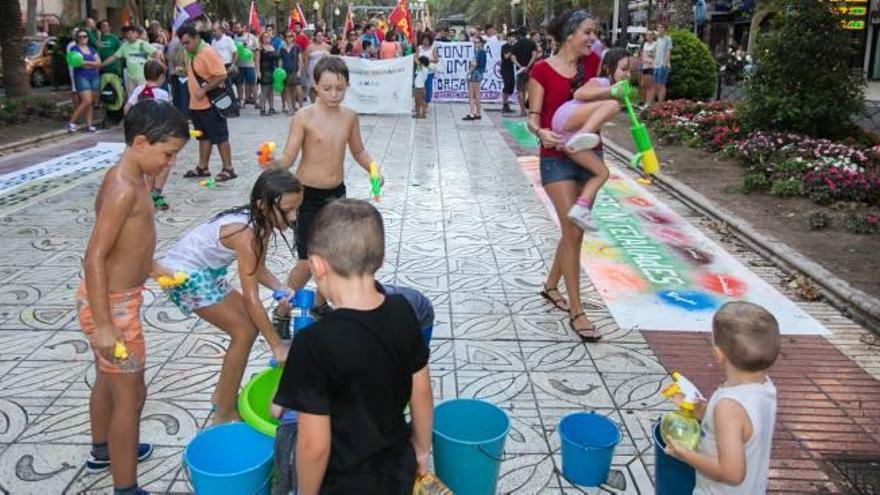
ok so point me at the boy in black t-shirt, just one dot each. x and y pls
(350, 375)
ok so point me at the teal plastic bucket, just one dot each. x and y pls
(671, 476)
(469, 437)
(230, 458)
(588, 441)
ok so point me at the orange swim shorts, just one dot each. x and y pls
(125, 312)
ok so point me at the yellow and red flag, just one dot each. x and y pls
(401, 20)
(297, 16)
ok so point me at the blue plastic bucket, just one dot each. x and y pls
(588, 441)
(300, 322)
(469, 437)
(671, 476)
(230, 458)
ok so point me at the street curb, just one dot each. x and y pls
(31, 140)
(853, 301)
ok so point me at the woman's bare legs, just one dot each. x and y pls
(566, 262)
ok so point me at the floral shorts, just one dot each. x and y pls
(125, 313)
(204, 288)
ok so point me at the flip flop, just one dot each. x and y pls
(556, 302)
(586, 334)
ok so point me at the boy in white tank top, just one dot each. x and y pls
(734, 454)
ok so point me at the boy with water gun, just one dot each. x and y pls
(322, 132)
(733, 456)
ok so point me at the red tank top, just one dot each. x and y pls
(557, 90)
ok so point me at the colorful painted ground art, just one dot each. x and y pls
(656, 271)
(102, 155)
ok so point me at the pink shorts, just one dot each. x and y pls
(561, 116)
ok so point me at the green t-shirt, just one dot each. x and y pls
(107, 46)
(135, 55)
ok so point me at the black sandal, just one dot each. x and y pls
(586, 334)
(226, 174)
(556, 302)
(197, 173)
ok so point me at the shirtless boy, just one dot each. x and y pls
(322, 132)
(118, 260)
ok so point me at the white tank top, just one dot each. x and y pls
(200, 247)
(759, 401)
(427, 52)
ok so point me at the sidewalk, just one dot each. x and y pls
(463, 225)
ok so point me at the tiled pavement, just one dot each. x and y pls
(464, 226)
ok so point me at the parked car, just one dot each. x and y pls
(38, 59)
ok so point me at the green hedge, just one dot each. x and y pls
(694, 74)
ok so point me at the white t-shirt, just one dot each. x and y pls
(662, 51)
(225, 46)
(421, 77)
(158, 94)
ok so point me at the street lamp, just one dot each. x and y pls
(317, 6)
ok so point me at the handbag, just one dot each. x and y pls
(221, 98)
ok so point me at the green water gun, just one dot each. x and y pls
(375, 181)
(646, 154)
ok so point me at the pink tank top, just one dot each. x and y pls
(387, 49)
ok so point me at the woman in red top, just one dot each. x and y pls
(551, 83)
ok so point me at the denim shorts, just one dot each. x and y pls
(555, 169)
(475, 76)
(87, 84)
(247, 75)
(661, 75)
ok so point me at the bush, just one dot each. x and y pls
(693, 74)
(755, 182)
(786, 187)
(18, 110)
(802, 81)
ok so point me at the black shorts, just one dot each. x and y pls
(509, 82)
(212, 125)
(313, 200)
(522, 79)
(285, 459)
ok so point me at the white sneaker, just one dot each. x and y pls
(581, 216)
(582, 141)
(71, 127)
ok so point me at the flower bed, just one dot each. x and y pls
(785, 163)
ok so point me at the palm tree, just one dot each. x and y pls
(12, 44)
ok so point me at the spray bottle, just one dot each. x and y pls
(680, 427)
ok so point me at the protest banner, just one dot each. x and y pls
(450, 80)
(380, 86)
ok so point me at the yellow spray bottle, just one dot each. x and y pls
(680, 427)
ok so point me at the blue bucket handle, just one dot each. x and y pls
(189, 478)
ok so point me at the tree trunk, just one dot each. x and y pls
(15, 77)
(31, 17)
(622, 35)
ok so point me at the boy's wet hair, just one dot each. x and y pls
(350, 235)
(748, 334)
(333, 65)
(155, 120)
(153, 70)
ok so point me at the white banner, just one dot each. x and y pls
(380, 86)
(450, 81)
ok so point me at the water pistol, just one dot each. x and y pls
(265, 153)
(375, 181)
(209, 183)
(646, 154)
(683, 386)
(170, 282)
(119, 351)
(195, 133)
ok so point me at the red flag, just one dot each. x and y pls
(349, 23)
(254, 17)
(296, 16)
(401, 20)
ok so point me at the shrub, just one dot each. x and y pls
(786, 187)
(802, 81)
(693, 73)
(818, 220)
(755, 182)
(862, 224)
(827, 184)
(18, 110)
